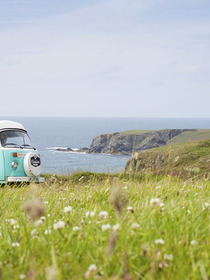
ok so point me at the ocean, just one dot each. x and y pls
(50, 133)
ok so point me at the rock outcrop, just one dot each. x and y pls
(123, 143)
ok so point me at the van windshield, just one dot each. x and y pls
(15, 138)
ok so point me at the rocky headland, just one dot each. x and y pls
(129, 142)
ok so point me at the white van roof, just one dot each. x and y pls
(4, 124)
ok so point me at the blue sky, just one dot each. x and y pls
(105, 58)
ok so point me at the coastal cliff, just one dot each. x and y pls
(130, 142)
(191, 158)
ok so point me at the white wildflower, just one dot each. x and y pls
(11, 221)
(88, 213)
(67, 209)
(168, 257)
(45, 202)
(22, 276)
(38, 223)
(188, 211)
(206, 204)
(125, 188)
(135, 225)
(33, 232)
(116, 227)
(103, 214)
(130, 208)
(76, 228)
(155, 202)
(105, 227)
(47, 231)
(92, 213)
(92, 268)
(158, 187)
(43, 218)
(162, 265)
(59, 224)
(159, 241)
(193, 242)
(15, 244)
(16, 226)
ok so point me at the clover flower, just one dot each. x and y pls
(67, 209)
(105, 227)
(103, 214)
(91, 214)
(76, 228)
(168, 257)
(47, 231)
(92, 268)
(15, 244)
(193, 242)
(33, 232)
(135, 225)
(116, 227)
(155, 202)
(43, 218)
(11, 221)
(162, 265)
(16, 227)
(159, 241)
(38, 223)
(130, 208)
(59, 224)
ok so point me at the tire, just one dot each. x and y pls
(32, 164)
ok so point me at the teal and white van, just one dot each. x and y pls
(19, 160)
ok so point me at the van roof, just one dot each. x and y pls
(4, 124)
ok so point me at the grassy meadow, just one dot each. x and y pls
(102, 226)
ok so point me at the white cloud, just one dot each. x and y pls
(107, 55)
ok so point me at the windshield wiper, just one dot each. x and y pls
(26, 145)
(13, 144)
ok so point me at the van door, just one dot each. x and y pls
(2, 167)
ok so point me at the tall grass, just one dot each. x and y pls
(116, 228)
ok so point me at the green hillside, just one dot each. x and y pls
(182, 158)
(186, 136)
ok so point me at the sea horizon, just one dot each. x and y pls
(78, 132)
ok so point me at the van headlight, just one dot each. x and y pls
(14, 165)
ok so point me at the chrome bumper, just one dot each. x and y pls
(26, 179)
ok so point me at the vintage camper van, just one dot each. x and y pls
(19, 160)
